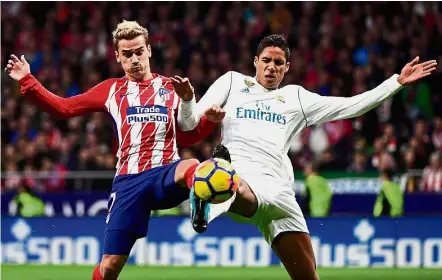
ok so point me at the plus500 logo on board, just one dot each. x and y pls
(200, 250)
(190, 250)
(351, 242)
(49, 250)
(372, 251)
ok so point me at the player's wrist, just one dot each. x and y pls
(24, 78)
(401, 80)
(188, 99)
(187, 105)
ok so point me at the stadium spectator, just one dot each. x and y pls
(359, 164)
(339, 49)
(437, 133)
(317, 193)
(28, 203)
(390, 200)
(432, 179)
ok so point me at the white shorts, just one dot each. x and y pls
(278, 211)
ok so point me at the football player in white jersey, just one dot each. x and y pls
(259, 124)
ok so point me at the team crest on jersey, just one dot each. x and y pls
(246, 90)
(164, 93)
(249, 83)
(280, 98)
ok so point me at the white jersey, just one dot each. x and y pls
(260, 124)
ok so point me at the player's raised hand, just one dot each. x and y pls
(183, 87)
(215, 114)
(414, 71)
(17, 68)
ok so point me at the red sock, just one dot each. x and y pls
(188, 175)
(97, 275)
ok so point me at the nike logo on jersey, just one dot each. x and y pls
(127, 93)
(145, 114)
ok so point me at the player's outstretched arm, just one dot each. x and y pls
(319, 109)
(190, 112)
(188, 138)
(91, 101)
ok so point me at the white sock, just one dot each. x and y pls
(220, 208)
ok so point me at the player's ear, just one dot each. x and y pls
(255, 61)
(149, 51)
(117, 57)
(287, 66)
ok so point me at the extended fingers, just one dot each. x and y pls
(178, 78)
(415, 61)
(174, 81)
(15, 58)
(428, 65)
(9, 66)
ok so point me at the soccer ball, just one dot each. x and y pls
(215, 180)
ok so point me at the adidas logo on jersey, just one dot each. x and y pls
(246, 90)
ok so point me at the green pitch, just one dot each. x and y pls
(40, 272)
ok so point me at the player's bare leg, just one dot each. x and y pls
(295, 251)
(110, 267)
(245, 203)
(184, 171)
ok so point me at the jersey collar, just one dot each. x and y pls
(154, 76)
(263, 88)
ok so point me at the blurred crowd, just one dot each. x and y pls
(338, 49)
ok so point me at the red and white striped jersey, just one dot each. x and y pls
(432, 180)
(144, 116)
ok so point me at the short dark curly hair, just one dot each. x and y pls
(274, 40)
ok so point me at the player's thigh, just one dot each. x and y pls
(168, 192)
(181, 168)
(295, 251)
(130, 204)
(246, 202)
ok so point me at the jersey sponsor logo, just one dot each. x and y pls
(145, 114)
(259, 114)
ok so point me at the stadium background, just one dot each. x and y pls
(338, 49)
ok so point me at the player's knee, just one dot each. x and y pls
(183, 166)
(111, 267)
(305, 270)
(185, 169)
(191, 162)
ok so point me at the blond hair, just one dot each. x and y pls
(128, 30)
